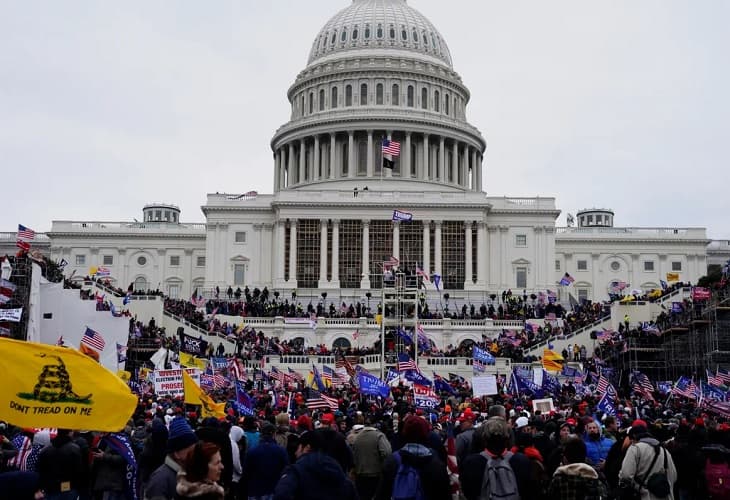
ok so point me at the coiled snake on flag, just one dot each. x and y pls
(54, 384)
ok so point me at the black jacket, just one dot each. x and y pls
(315, 476)
(58, 463)
(431, 470)
(471, 474)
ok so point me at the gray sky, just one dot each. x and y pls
(106, 106)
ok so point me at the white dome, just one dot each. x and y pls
(380, 26)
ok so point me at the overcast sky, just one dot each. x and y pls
(106, 106)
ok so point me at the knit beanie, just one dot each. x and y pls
(180, 436)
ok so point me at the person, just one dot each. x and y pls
(201, 473)
(465, 436)
(597, 445)
(238, 445)
(180, 442)
(431, 470)
(59, 467)
(153, 451)
(576, 480)
(639, 462)
(315, 475)
(109, 473)
(370, 448)
(251, 431)
(263, 465)
(212, 432)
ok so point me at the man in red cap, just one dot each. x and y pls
(466, 435)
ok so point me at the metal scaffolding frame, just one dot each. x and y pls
(399, 310)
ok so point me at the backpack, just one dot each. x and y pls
(657, 483)
(499, 482)
(407, 484)
(717, 476)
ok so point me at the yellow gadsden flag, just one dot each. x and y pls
(552, 361)
(672, 276)
(50, 386)
(190, 361)
(194, 395)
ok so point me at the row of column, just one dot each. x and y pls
(334, 281)
(326, 160)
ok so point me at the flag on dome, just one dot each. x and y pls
(391, 147)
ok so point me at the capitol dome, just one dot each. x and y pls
(375, 26)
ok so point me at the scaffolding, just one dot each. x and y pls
(21, 278)
(400, 295)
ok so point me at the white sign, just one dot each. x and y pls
(544, 406)
(484, 386)
(170, 382)
(12, 315)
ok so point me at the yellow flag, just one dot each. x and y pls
(51, 386)
(552, 361)
(124, 375)
(672, 276)
(191, 361)
(194, 395)
(93, 270)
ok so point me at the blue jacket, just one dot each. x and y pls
(315, 476)
(263, 467)
(597, 450)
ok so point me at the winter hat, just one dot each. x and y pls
(180, 436)
(415, 430)
(327, 419)
(521, 422)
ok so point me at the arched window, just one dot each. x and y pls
(363, 94)
(321, 100)
(409, 97)
(362, 157)
(437, 101)
(379, 32)
(415, 36)
(367, 32)
(425, 40)
(301, 105)
(348, 95)
(141, 284)
(454, 108)
(395, 95)
(446, 103)
(341, 343)
(354, 33)
(343, 35)
(424, 98)
(334, 37)
(391, 33)
(403, 34)
(311, 103)
(333, 98)
(379, 94)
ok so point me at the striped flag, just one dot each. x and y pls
(724, 376)
(602, 385)
(390, 147)
(25, 233)
(294, 375)
(93, 339)
(686, 387)
(713, 379)
(318, 401)
(405, 362)
(641, 384)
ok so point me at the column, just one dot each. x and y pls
(468, 251)
(594, 274)
(322, 253)
(427, 247)
(424, 163)
(388, 171)
(282, 168)
(482, 254)
(292, 169)
(441, 174)
(479, 172)
(351, 154)
(316, 166)
(437, 250)
(333, 159)
(405, 167)
(365, 283)
(474, 169)
(302, 160)
(464, 166)
(369, 169)
(293, 252)
(396, 239)
(504, 255)
(277, 173)
(454, 162)
(335, 253)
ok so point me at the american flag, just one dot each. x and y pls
(294, 375)
(219, 381)
(391, 147)
(93, 339)
(341, 362)
(713, 379)
(640, 383)
(235, 369)
(686, 387)
(25, 233)
(602, 385)
(724, 376)
(405, 362)
(420, 272)
(318, 401)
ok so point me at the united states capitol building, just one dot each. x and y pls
(378, 69)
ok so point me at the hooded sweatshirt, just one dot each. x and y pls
(314, 476)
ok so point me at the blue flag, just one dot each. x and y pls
(607, 404)
(219, 363)
(550, 383)
(524, 386)
(436, 278)
(483, 356)
(404, 334)
(120, 444)
(370, 384)
(391, 376)
(417, 378)
(712, 392)
(243, 402)
(317, 379)
(440, 385)
(663, 284)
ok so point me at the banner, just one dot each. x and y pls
(170, 382)
(417, 378)
(190, 361)
(700, 293)
(402, 216)
(12, 315)
(424, 397)
(370, 384)
(672, 277)
(191, 345)
(50, 386)
(484, 386)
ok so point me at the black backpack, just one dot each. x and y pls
(657, 483)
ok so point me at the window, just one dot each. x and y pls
(437, 101)
(321, 100)
(354, 33)
(140, 284)
(582, 295)
(367, 32)
(648, 265)
(395, 95)
(379, 32)
(424, 98)
(200, 261)
(557, 265)
(81, 260)
(173, 291)
(409, 97)
(363, 94)
(311, 103)
(521, 277)
(108, 260)
(142, 260)
(415, 36)
(239, 274)
(379, 93)
(348, 95)
(425, 40)
(403, 34)
(391, 33)
(343, 35)
(362, 157)
(521, 240)
(174, 260)
(590, 219)
(676, 266)
(446, 103)
(333, 98)
(615, 265)
(240, 236)
(334, 38)
(582, 265)
(158, 214)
